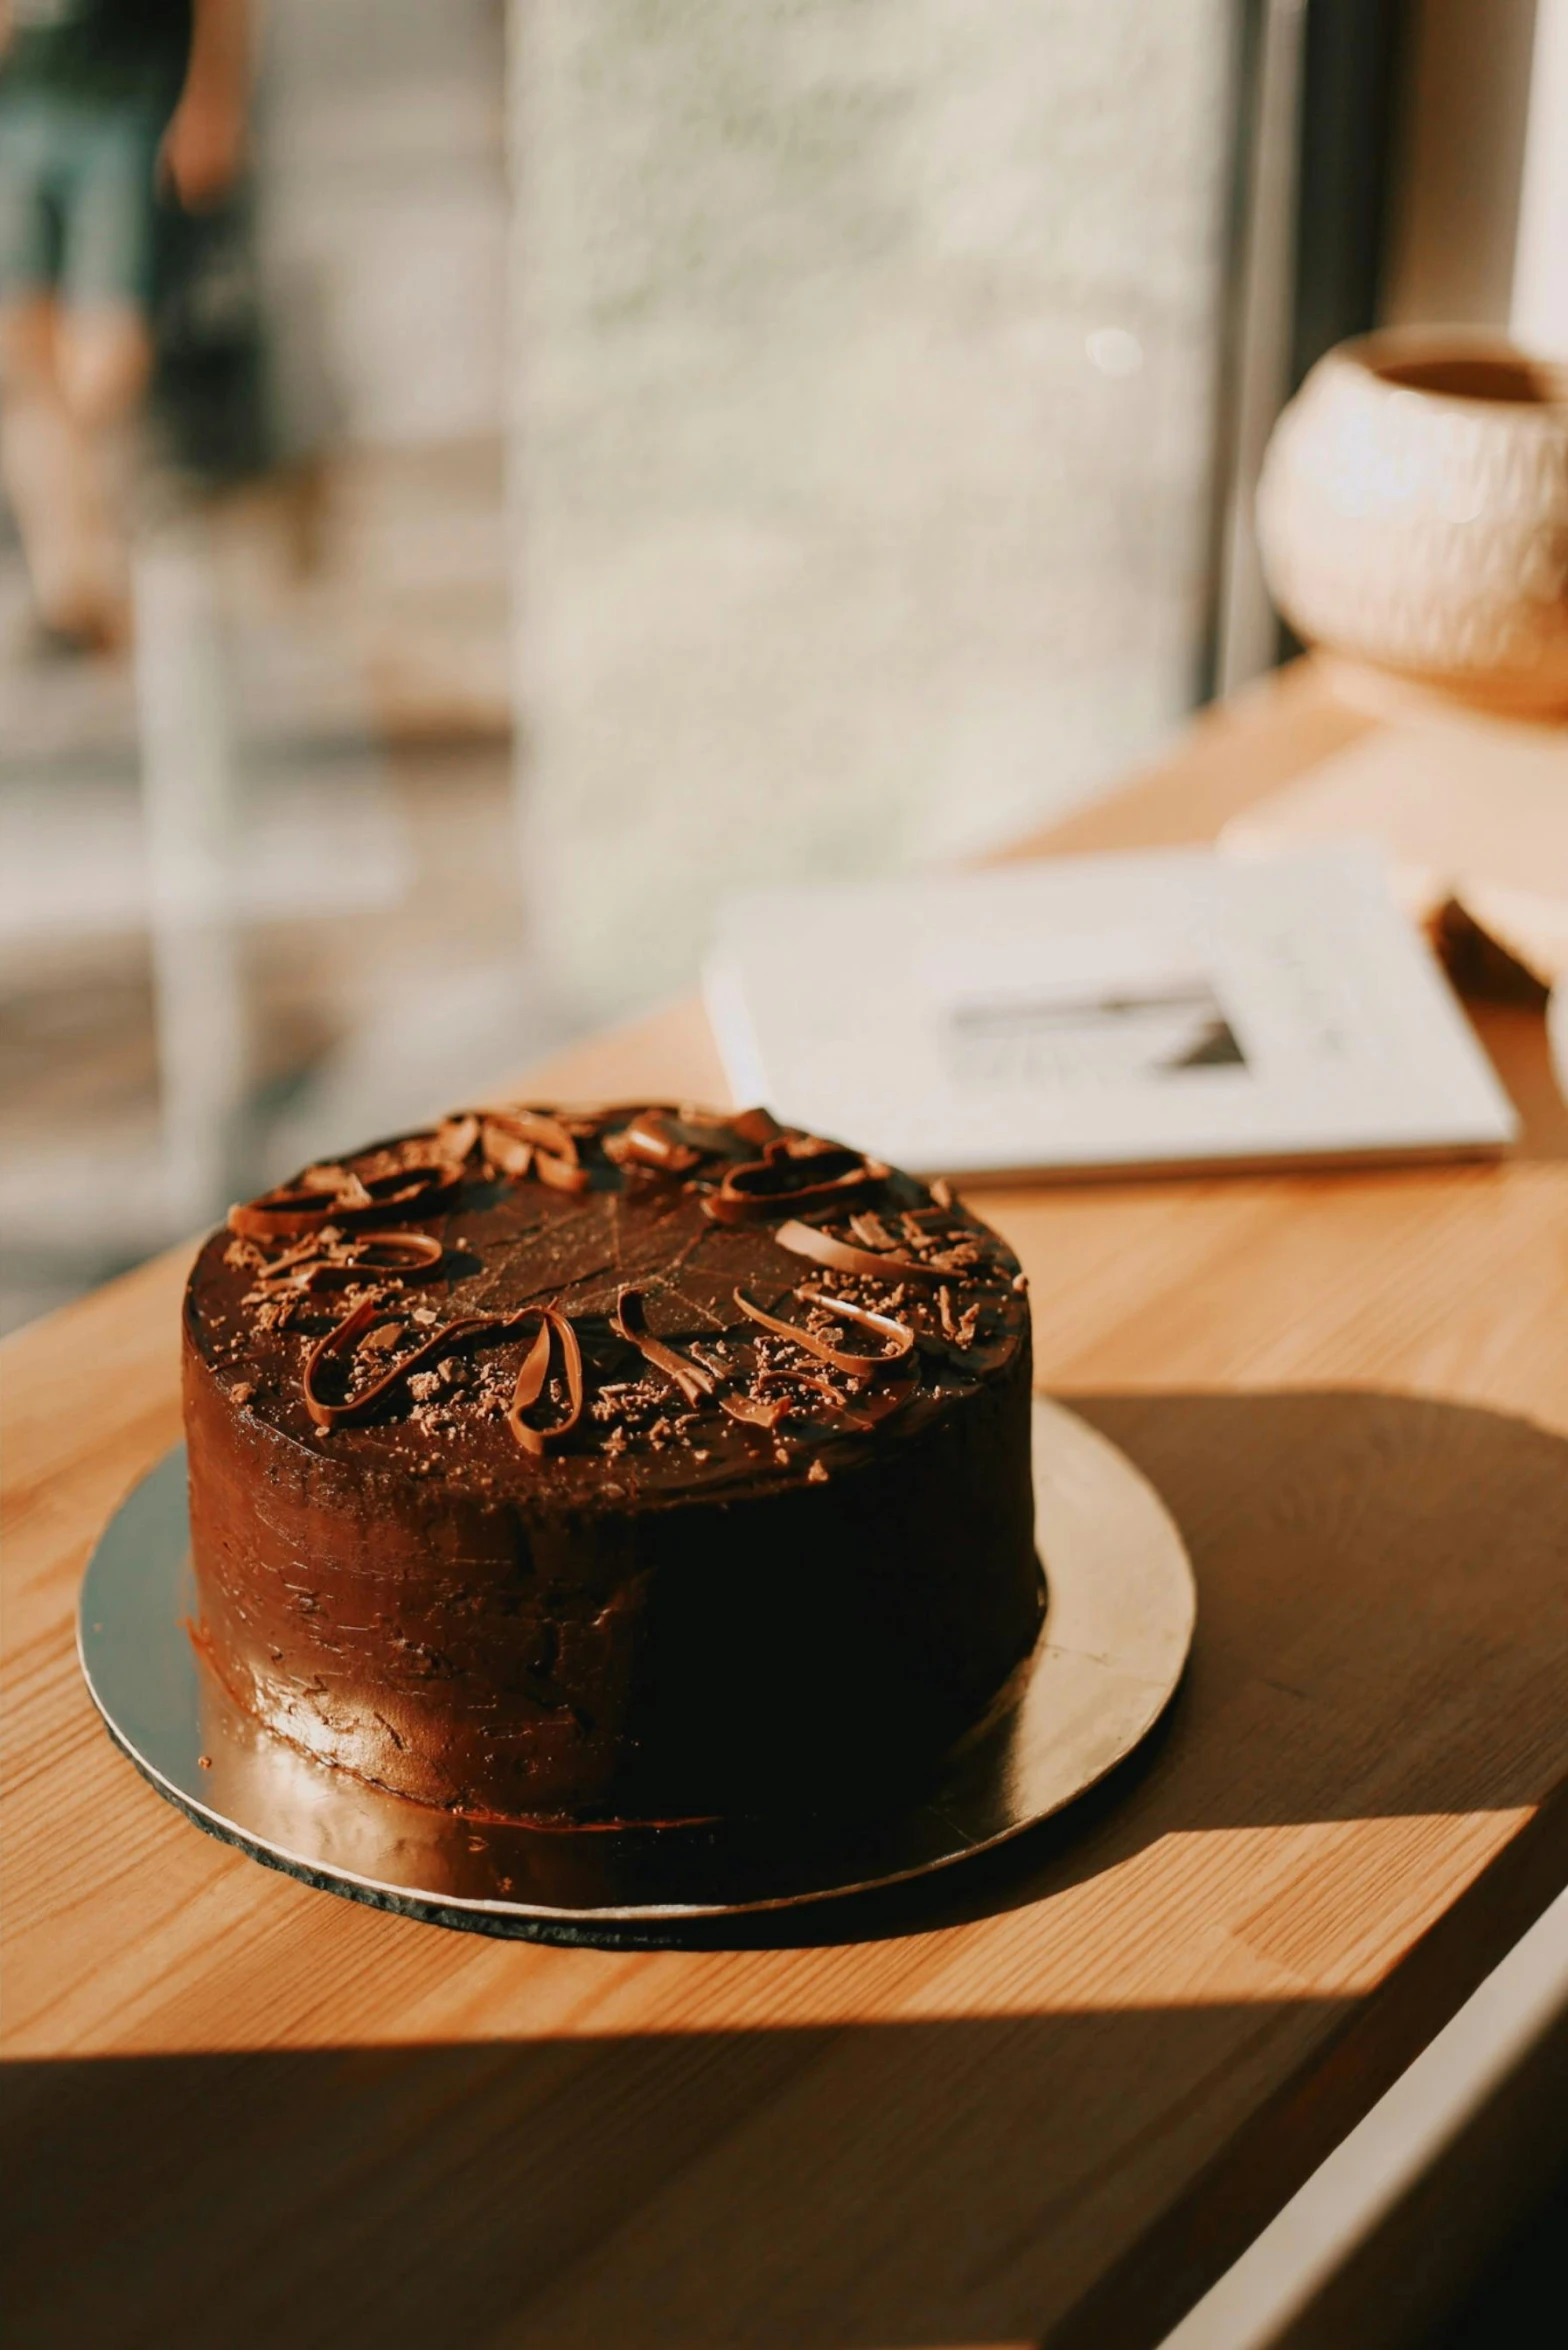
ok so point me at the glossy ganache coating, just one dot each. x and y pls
(626, 1464)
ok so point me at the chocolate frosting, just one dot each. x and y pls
(624, 1463)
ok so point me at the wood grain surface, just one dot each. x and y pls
(1049, 2098)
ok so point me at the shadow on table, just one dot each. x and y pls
(1072, 2179)
(1382, 1632)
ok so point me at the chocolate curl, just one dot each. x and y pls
(554, 1329)
(866, 1410)
(327, 1180)
(797, 1171)
(650, 1140)
(506, 1149)
(344, 1340)
(630, 1322)
(757, 1415)
(857, 1412)
(385, 1184)
(540, 1127)
(901, 1337)
(518, 1140)
(290, 1210)
(456, 1137)
(560, 1174)
(805, 1240)
(720, 1130)
(836, 1406)
(758, 1126)
(347, 1333)
(318, 1263)
(665, 1131)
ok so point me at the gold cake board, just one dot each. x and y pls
(1119, 1621)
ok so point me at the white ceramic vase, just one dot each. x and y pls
(1413, 516)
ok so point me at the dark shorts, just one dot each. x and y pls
(78, 201)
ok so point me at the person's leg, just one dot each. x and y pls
(104, 349)
(105, 346)
(73, 434)
(42, 457)
(103, 358)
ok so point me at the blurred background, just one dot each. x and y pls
(580, 465)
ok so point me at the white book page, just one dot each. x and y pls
(1152, 1009)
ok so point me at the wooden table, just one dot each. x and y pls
(1052, 2101)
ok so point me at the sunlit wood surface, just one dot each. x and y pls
(1050, 2098)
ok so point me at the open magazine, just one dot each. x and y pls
(1177, 1007)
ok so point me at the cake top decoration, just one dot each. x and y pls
(624, 1284)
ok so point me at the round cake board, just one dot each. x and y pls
(1119, 1620)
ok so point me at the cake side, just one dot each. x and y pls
(762, 1523)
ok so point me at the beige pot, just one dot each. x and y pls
(1413, 516)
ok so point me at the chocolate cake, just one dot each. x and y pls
(635, 1464)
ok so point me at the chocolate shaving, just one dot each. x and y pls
(630, 1322)
(900, 1335)
(554, 1329)
(795, 1170)
(807, 1240)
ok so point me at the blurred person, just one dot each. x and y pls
(104, 106)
